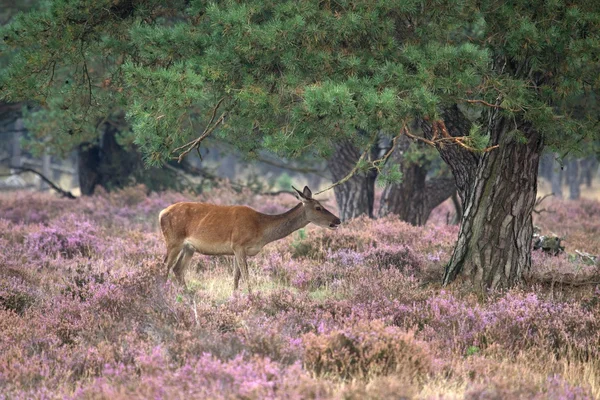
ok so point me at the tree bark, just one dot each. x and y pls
(356, 196)
(498, 191)
(414, 197)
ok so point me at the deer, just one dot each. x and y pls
(240, 231)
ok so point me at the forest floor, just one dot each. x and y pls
(355, 313)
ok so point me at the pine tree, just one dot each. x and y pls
(293, 77)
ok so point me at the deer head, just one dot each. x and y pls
(315, 212)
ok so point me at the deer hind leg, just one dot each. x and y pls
(240, 256)
(236, 274)
(171, 258)
(185, 256)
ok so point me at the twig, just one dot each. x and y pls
(373, 164)
(349, 175)
(415, 137)
(459, 140)
(538, 201)
(485, 103)
(196, 312)
(376, 163)
(21, 170)
(195, 144)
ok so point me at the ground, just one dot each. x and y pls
(353, 313)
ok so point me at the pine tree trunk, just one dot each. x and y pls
(498, 191)
(557, 179)
(354, 197)
(494, 244)
(106, 164)
(414, 198)
(589, 168)
(88, 160)
(546, 166)
(573, 179)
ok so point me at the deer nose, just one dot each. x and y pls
(337, 221)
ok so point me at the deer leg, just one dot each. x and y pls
(240, 256)
(171, 258)
(236, 274)
(182, 262)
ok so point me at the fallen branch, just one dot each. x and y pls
(21, 170)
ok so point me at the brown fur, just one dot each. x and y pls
(232, 230)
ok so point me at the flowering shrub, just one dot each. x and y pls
(367, 349)
(353, 313)
(16, 295)
(66, 237)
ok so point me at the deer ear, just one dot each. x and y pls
(307, 193)
(299, 195)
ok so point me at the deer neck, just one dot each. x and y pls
(281, 225)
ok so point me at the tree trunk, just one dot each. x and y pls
(546, 166)
(589, 168)
(573, 179)
(557, 179)
(46, 159)
(498, 191)
(88, 159)
(106, 164)
(494, 244)
(413, 198)
(15, 160)
(458, 208)
(354, 197)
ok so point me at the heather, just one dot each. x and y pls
(354, 313)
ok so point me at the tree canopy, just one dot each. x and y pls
(290, 75)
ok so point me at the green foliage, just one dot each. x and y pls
(478, 139)
(473, 350)
(295, 77)
(390, 175)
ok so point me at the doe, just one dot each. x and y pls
(232, 230)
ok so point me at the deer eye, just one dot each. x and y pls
(318, 209)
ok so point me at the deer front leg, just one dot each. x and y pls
(240, 256)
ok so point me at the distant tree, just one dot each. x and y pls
(356, 196)
(589, 169)
(414, 197)
(298, 76)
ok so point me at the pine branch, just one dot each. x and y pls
(195, 144)
(348, 176)
(485, 103)
(446, 138)
(376, 164)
